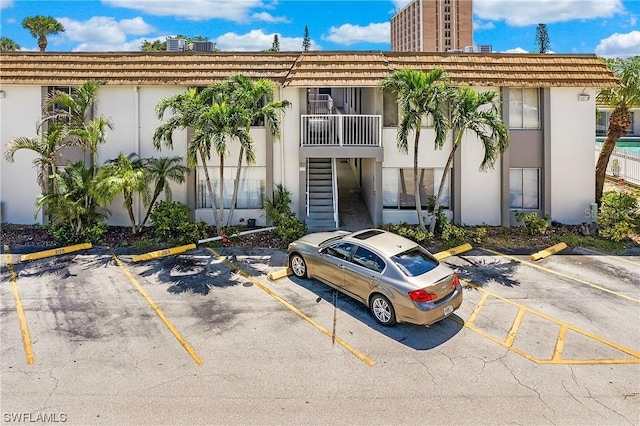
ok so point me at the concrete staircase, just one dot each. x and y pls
(321, 214)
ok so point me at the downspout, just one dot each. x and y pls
(282, 133)
(136, 139)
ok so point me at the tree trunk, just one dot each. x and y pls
(132, 217)
(42, 43)
(221, 214)
(236, 185)
(156, 194)
(210, 190)
(416, 188)
(619, 122)
(445, 173)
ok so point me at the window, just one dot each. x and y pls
(524, 108)
(340, 250)
(250, 191)
(415, 261)
(398, 190)
(389, 109)
(368, 259)
(524, 189)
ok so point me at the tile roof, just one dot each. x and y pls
(301, 69)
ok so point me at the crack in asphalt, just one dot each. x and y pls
(607, 407)
(531, 389)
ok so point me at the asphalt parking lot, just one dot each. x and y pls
(204, 337)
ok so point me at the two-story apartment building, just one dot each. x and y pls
(338, 114)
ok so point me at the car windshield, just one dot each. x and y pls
(415, 261)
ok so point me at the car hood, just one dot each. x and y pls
(318, 237)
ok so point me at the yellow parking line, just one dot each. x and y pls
(477, 309)
(564, 327)
(158, 311)
(24, 329)
(620, 258)
(295, 310)
(511, 335)
(560, 274)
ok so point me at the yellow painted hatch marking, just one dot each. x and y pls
(55, 252)
(161, 253)
(559, 346)
(24, 329)
(158, 311)
(560, 274)
(452, 252)
(542, 254)
(295, 310)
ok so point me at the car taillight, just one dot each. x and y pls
(456, 281)
(421, 296)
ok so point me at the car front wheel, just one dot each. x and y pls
(298, 266)
(382, 310)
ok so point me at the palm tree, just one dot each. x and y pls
(480, 114)
(621, 99)
(7, 44)
(77, 201)
(420, 95)
(124, 175)
(74, 108)
(257, 99)
(89, 136)
(47, 147)
(40, 27)
(187, 109)
(162, 171)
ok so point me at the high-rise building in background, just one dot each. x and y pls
(433, 26)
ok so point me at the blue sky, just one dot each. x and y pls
(605, 27)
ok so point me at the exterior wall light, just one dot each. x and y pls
(2, 94)
(583, 97)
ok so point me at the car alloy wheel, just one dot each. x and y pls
(382, 310)
(298, 266)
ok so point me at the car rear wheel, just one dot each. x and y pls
(382, 310)
(298, 266)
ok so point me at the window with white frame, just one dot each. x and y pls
(524, 189)
(251, 190)
(398, 187)
(524, 108)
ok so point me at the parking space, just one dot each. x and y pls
(205, 337)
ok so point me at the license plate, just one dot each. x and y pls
(448, 309)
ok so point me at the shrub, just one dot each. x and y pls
(618, 216)
(290, 228)
(452, 235)
(478, 235)
(534, 224)
(170, 223)
(64, 233)
(411, 232)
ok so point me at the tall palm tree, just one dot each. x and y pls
(186, 109)
(478, 113)
(124, 175)
(621, 99)
(257, 99)
(89, 136)
(7, 44)
(40, 27)
(162, 171)
(420, 95)
(47, 147)
(74, 108)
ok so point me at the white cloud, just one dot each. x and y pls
(516, 50)
(522, 13)
(480, 25)
(195, 10)
(257, 40)
(348, 34)
(102, 33)
(399, 4)
(267, 17)
(5, 4)
(620, 45)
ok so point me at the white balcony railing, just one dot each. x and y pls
(341, 130)
(320, 104)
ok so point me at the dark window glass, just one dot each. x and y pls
(415, 261)
(368, 259)
(340, 250)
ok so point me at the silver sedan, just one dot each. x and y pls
(399, 280)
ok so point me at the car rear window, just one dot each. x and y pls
(415, 261)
